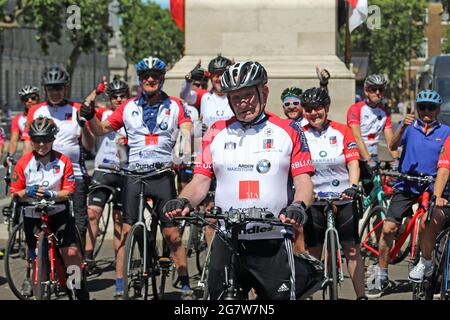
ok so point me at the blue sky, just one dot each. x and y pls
(162, 3)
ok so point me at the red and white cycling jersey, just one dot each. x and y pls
(214, 108)
(149, 148)
(253, 167)
(192, 96)
(372, 122)
(107, 147)
(68, 138)
(2, 137)
(331, 150)
(444, 158)
(18, 124)
(56, 175)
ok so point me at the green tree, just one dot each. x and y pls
(148, 30)
(50, 19)
(392, 46)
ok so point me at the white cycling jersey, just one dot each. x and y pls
(214, 108)
(107, 147)
(149, 148)
(254, 167)
(18, 124)
(331, 150)
(68, 138)
(372, 122)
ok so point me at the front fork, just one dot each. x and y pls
(332, 229)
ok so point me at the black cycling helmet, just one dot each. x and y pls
(117, 86)
(291, 92)
(375, 80)
(55, 76)
(43, 127)
(315, 98)
(219, 64)
(242, 75)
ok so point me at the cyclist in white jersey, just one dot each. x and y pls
(253, 154)
(335, 157)
(195, 86)
(109, 151)
(151, 121)
(29, 95)
(72, 136)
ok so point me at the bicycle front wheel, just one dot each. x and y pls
(102, 228)
(17, 267)
(332, 287)
(42, 286)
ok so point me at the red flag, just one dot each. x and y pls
(177, 12)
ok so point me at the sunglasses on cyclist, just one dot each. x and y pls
(55, 88)
(196, 84)
(293, 103)
(375, 89)
(39, 140)
(148, 74)
(117, 96)
(427, 107)
(32, 97)
(310, 109)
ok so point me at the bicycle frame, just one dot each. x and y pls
(413, 226)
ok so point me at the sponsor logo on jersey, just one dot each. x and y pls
(163, 125)
(146, 154)
(151, 139)
(248, 189)
(68, 116)
(323, 153)
(45, 183)
(380, 117)
(230, 145)
(333, 140)
(257, 229)
(371, 136)
(263, 166)
(56, 169)
(352, 145)
(220, 113)
(167, 111)
(71, 178)
(335, 183)
(268, 131)
(300, 164)
(242, 167)
(267, 143)
(438, 139)
(135, 113)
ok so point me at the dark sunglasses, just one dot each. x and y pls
(39, 140)
(294, 103)
(117, 96)
(375, 89)
(427, 107)
(197, 84)
(55, 88)
(30, 97)
(310, 109)
(148, 74)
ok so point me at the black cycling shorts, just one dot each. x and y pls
(80, 204)
(62, 224)
(346, 223)
(160, 188)
(268, 266)
(401, 206)
(100, 195)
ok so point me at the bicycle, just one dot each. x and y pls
(235, 220)
(439, 281)
(142, 262)
(409, 228)
(49, 269)
(11, 213)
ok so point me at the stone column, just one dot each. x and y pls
(288, 37)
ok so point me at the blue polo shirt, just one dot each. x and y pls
(420, 153)
(150, 112)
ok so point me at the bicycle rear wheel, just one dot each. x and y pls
(136, 279)
(102, 228)
(17, 266)
(332, 286)
(42, 286)
(374, 218)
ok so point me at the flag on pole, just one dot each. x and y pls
(177, 12)
(358, 13)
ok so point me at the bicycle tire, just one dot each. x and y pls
(445, 273)
(42, 290)
(18, 254)
(373, 218)
(135, 280)
(332, 286)
(103, 228)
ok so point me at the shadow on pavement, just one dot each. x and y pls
(96, 285)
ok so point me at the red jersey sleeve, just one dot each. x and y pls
(351, 150)
(15, 124)
(30, 117)
(300, 157)
(68, 179)
(18, 181)
(182, 116)
(116, 118)
(99, 112)
(198, 99)
(444, 158)
(388, 124)
(354, 114)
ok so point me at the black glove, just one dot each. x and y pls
(179, 203)
(297, 211)
(196, 74)
(87, 111)
(204, 128)
(352, 191)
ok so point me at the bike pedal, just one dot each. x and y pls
(164, 263)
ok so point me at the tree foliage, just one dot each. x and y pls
(50, 20)
(148, 30)
(392, 46)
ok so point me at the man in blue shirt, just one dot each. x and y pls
(422, 138)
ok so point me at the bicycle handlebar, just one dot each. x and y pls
(137, 173)
(404, 176)
(431, 207)
(43, 203)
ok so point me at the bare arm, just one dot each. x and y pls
(353, 171)
(187, 94)
(196, 190)
(363, 152)
(12, 148)
(100, 128)
(87, 138)
(441, 181)
(27, 147)
(389, 135)
(303, 189)
(186, 129)
(396, 140)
